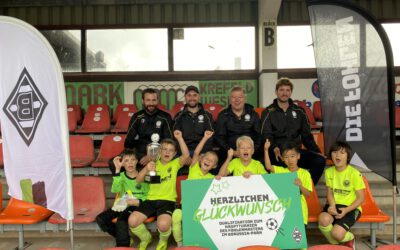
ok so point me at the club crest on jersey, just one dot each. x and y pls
(201, 118)
(247, 117)
(294, 114)
(25, 106)
(142, 120)
(346, 183)
(158, 124)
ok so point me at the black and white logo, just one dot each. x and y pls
(25, 106)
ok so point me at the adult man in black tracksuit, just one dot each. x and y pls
(150, 120)
(193, 121)
(238, 119)
(283, 122)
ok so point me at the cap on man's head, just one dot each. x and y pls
(192, 88)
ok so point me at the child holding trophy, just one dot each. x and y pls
(161, 198)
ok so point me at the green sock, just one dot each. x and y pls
(326, 231)
(348, 237)
(143, 234)
(163, 243)
(177, 225)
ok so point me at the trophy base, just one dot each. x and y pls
(152, 179)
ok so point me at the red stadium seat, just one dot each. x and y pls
(76, 109)
(258, 247)
(259, 111)
(370, 210)
(319, 139)
(178, 188)
(111, 146)
(329, 247)
(89, 200)
(20, 212)
(314, 207)
(123, 108)
(309, 114)
(122, 124)
(388, 247)
(176, 108)
(317, 110)
(81, 151)
(162, 107)
(1, 155)
(97, 120)
(397, 116)
(72, 122)
(214, 109)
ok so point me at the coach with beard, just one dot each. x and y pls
(146, 122)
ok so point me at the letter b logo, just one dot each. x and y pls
(269, 34)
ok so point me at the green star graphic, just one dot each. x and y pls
(225, 185)
(216, 188)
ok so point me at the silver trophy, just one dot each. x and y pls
(153, 152)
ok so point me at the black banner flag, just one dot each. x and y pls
(355, 72)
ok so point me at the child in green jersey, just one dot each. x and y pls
(244, 165)
(291, 155)
(199, 169)
(161, 198)
(123, 182)
(345, 195)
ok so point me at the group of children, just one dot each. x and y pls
(345, 188)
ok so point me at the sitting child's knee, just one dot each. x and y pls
(337, 234)
(324, 219)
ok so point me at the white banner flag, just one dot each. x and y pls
(33, 118)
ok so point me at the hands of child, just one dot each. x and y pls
(145, 159)
(247, 174)
(208, 134)
(178, 134)
(267, 144)
(117, 163)
(342, 213)
(277, 153)
(332, 210)
(231, 152)
(132, 202)
(297, 182)
(218, 177)
(151, 166)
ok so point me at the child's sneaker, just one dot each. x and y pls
(162, 245)
(351, 244)
(144, 243)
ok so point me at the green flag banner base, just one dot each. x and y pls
(234, 212)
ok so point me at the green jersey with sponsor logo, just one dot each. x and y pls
(344, 184)
(166, 190)
(306, 181)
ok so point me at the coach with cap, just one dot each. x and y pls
(193, 120)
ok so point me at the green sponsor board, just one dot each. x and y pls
(234, 212)
(87, 93)
(218, 91)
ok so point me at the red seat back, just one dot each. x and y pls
(122, 124)
(162, 107)
(111, 146)
(214, 109)
(72, 122)
(388, 247)
(313, 205)
(1, 154)
(88, 195)
(176, 108)
(319, 139)
(259, 111)
(369, 206)
(317, 111)
(97, 120)
(76, 109)
(397, 116)
(123, 108)
(178, 187)
(81, 150)
(309, 114)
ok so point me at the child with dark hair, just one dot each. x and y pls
(131, 194)
(345, 195)
(291, 155)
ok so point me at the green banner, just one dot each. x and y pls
(234, 212)
(86, 93)
(218, 91)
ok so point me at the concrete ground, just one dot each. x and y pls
(89, 240)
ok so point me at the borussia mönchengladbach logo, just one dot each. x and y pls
(25, 106)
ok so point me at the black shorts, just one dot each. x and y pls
(156, 207)
(348, 220)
